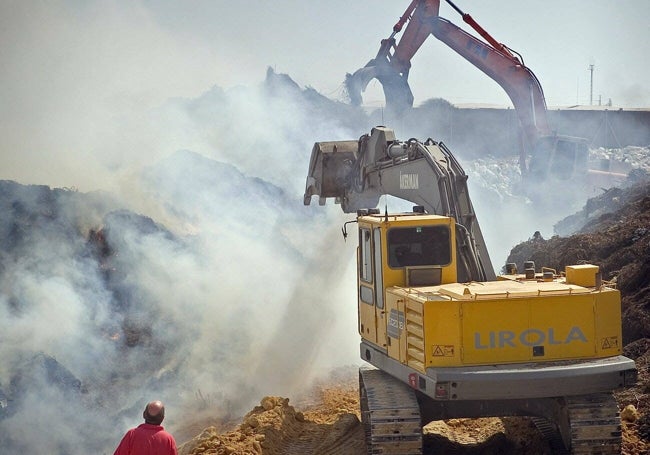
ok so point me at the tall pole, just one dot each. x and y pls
(591, 89)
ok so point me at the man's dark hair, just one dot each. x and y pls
(153, 419)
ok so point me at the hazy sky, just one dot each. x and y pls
(157, 49)
(318, 42)
(78, 74)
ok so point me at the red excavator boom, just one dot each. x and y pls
(506, 67)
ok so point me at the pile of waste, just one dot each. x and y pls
(328, 425)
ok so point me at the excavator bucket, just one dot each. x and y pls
(396, 88)
(330, 169)
(357, 82)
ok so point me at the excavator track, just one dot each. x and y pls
(390, 414)
(593, 426)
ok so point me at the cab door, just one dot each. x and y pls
(380, 310)
(372, 314)
(366, 291)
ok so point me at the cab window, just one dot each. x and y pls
(365, 255)
(419, 246)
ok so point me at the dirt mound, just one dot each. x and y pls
(635, 402)
(276, 428)
(507, 435)
(331, 426)
(328, 423)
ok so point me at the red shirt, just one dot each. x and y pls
(147, 439)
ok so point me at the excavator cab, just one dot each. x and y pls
(406, 249)
(564, 160)
(559, 157)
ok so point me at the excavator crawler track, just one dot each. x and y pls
(390, 414)
(593, 426)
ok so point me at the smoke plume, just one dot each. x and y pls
(200, 279)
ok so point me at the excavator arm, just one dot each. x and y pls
(392, 63)
(518, 81)
(493, 58)
(358, 173)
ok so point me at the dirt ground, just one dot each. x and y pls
(328, 423)
(613, 232)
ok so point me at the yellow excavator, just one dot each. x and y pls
(444, 336)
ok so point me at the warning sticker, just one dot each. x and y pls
(443, 350)
(609, 343)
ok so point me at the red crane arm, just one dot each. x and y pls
(481, 31)
(519, 82)
(493, 58)
(417, 31)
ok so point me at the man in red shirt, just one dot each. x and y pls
(150, 438)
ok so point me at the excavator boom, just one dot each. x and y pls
(358, 173)
(518, 81)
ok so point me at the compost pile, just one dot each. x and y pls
(612, 231)
(328, 423)
(325, 421)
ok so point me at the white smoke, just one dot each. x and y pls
(241, 292)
